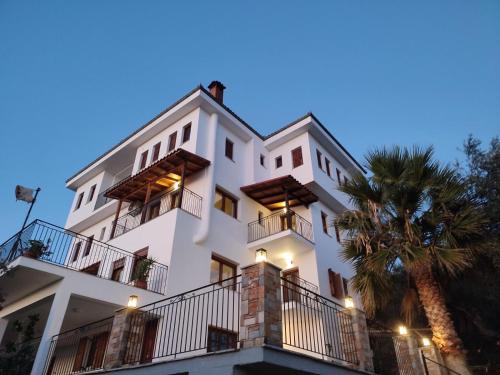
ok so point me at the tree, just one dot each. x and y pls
(414, 215)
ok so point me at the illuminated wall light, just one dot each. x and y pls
(261, 255)
(426, 341)
(288, 260)
(403, 330)
(176, 185)
(349, 303)
(132, 301)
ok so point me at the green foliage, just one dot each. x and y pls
(143, 268)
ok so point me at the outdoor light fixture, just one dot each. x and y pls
(403, 330)
(288, 260)
(132, 301)
(176, 185)
(261, 255)
(349, 302)
(426, 341)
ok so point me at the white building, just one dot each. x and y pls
(200, 192)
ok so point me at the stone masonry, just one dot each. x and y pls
(261, 319)
(362, 339)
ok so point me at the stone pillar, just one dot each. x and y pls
(125, 339)
(433, 354)
(408, 355)
(362, 339)
(52, 327)
(261, 315)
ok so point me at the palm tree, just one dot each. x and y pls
(414, 214)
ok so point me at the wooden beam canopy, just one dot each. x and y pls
(275, 193)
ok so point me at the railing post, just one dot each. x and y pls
(407, 354)
(117, 215)
(364, 353)
(431, 366)
(260, 317)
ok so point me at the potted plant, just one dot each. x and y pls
(36, 249)
(141, 272)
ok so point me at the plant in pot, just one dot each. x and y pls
(37, 249)
(141, 272)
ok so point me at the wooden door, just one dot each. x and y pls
(291, 290)
(148, 342)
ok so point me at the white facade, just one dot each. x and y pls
(187, 242)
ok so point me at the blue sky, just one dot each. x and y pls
(78, 76)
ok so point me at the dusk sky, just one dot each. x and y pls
(76, 77)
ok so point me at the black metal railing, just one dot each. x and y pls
(279, 222)
(294, 279)
(79, 350)
(53, 244)
(316, 325)
(430, 367)
(203, 320)
(18, 358)
(182, 198)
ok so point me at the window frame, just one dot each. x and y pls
(278, 160)
(338, 176)
(231, 335)
(76, 251)
(186, 129)
(337, 233)
(172, 141)
(327, 167)
(297, 157)
(102, 233)
(224, 262)
(229, 149)
(324, 222)
(262, 160)
(88, 245)
(79, 201)
(155, 154)
(91, 193)
(143, 162)
(318, 157)
(229, 196)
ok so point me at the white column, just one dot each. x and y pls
(52, 327)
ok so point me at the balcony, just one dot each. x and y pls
(52, 244)
(280, 222)
(182, 198)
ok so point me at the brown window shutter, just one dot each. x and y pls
(345, 284)
(331, 279)
(336, 287)
(297, 157)
(80, 354)
(101, 343)
(148, 342)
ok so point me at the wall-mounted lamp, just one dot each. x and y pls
(349, 302)
(426, 341)
(176, 185)
(260, 255)
(288, 261)
(132, 301)
(403, 330)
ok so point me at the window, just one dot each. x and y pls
(318, 155)
(88, 246)
(118, 267)
(336, 287)
(186, 133)
(221, 269)
(338, 176)
(327, 165)
(97, 350)
(103, 232)
(279, 162)
(76, 251)
(297, 160)
(93, 269)
(291, 289)
(229, 149)
(138, 257)
(148, 341)
(220, 339)
(345, 283)
(324, 222)
(79, 201)
(156, 152)
(226, 203)
(262, 160)
(337, 234)
(261, 217)
(171, 141)
(91, 193)
(144, 160)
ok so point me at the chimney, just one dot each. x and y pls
(217, 90)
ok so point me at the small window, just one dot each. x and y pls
(118, 267)
(262, 160)
(220, 339)
(221, 269)
(79, 201)
(229, 148)
(76, 251)
(156, 152)
(338, 176)
(226, 203)
(186, 133)
(324, 222)
(318, 156)
(171, 141)
(297, 160)
(88, 246)
(91, 193)
(345, 283)
(279, 162)
(103, 232)
(336, 288)
(144, 160)
(327, 166)
(337, 233)
(261, 217)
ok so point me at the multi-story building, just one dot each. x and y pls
(187, 201)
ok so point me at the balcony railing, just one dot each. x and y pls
(279, 222)
(289, 292)
(190, 202)
(52, 244)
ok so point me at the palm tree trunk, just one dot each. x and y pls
(444, 334)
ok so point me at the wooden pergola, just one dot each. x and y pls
(172, 169)
(281, 192)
